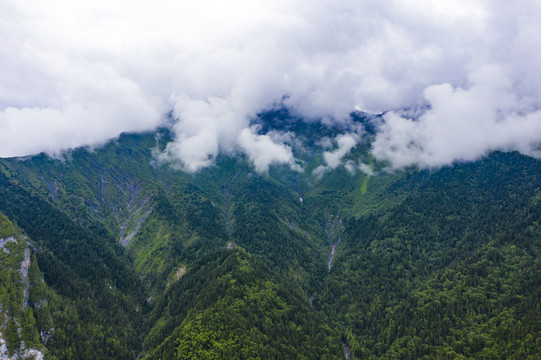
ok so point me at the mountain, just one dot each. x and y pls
(26, 329)
(129, 257)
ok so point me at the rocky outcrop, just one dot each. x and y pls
(3, 243)
(25, 265)
(21, 353)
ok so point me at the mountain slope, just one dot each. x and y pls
(230, 263)
(190, 217)
(232, 305)
(100, 300)
(471, 229)
(19, 283)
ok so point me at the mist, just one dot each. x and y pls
(75, 73)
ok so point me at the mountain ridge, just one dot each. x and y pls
(307, 265)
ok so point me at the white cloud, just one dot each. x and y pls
(91, 117)
(263, 152)
(367, 169)
(325, 142)
(333, 159)
(77, 73)
(461, 124)
(345, 142)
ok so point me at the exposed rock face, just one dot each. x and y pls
(347, 351)
(31, 354)
(333, 228)
(46, 336)
(4, 354)
(180, 272)
(22, 353)
(124, 241)
(3, 243)
(25, 265)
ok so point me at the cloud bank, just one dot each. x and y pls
(78, 73)
(333, 159)
(461, 125)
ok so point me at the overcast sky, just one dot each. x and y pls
(78, 73)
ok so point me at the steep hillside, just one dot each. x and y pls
(451, 270)
(142, 259)
(24, 324)
(232, 305)
(187, 218)
(99, 308)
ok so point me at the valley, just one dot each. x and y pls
(140, 259)
(268, 180)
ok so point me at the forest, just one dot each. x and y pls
(130, 258)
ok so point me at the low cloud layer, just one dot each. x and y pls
(461, 124)
(78, 73)
(333, 158)
(263, 151)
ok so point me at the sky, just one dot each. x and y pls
(454, 79)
